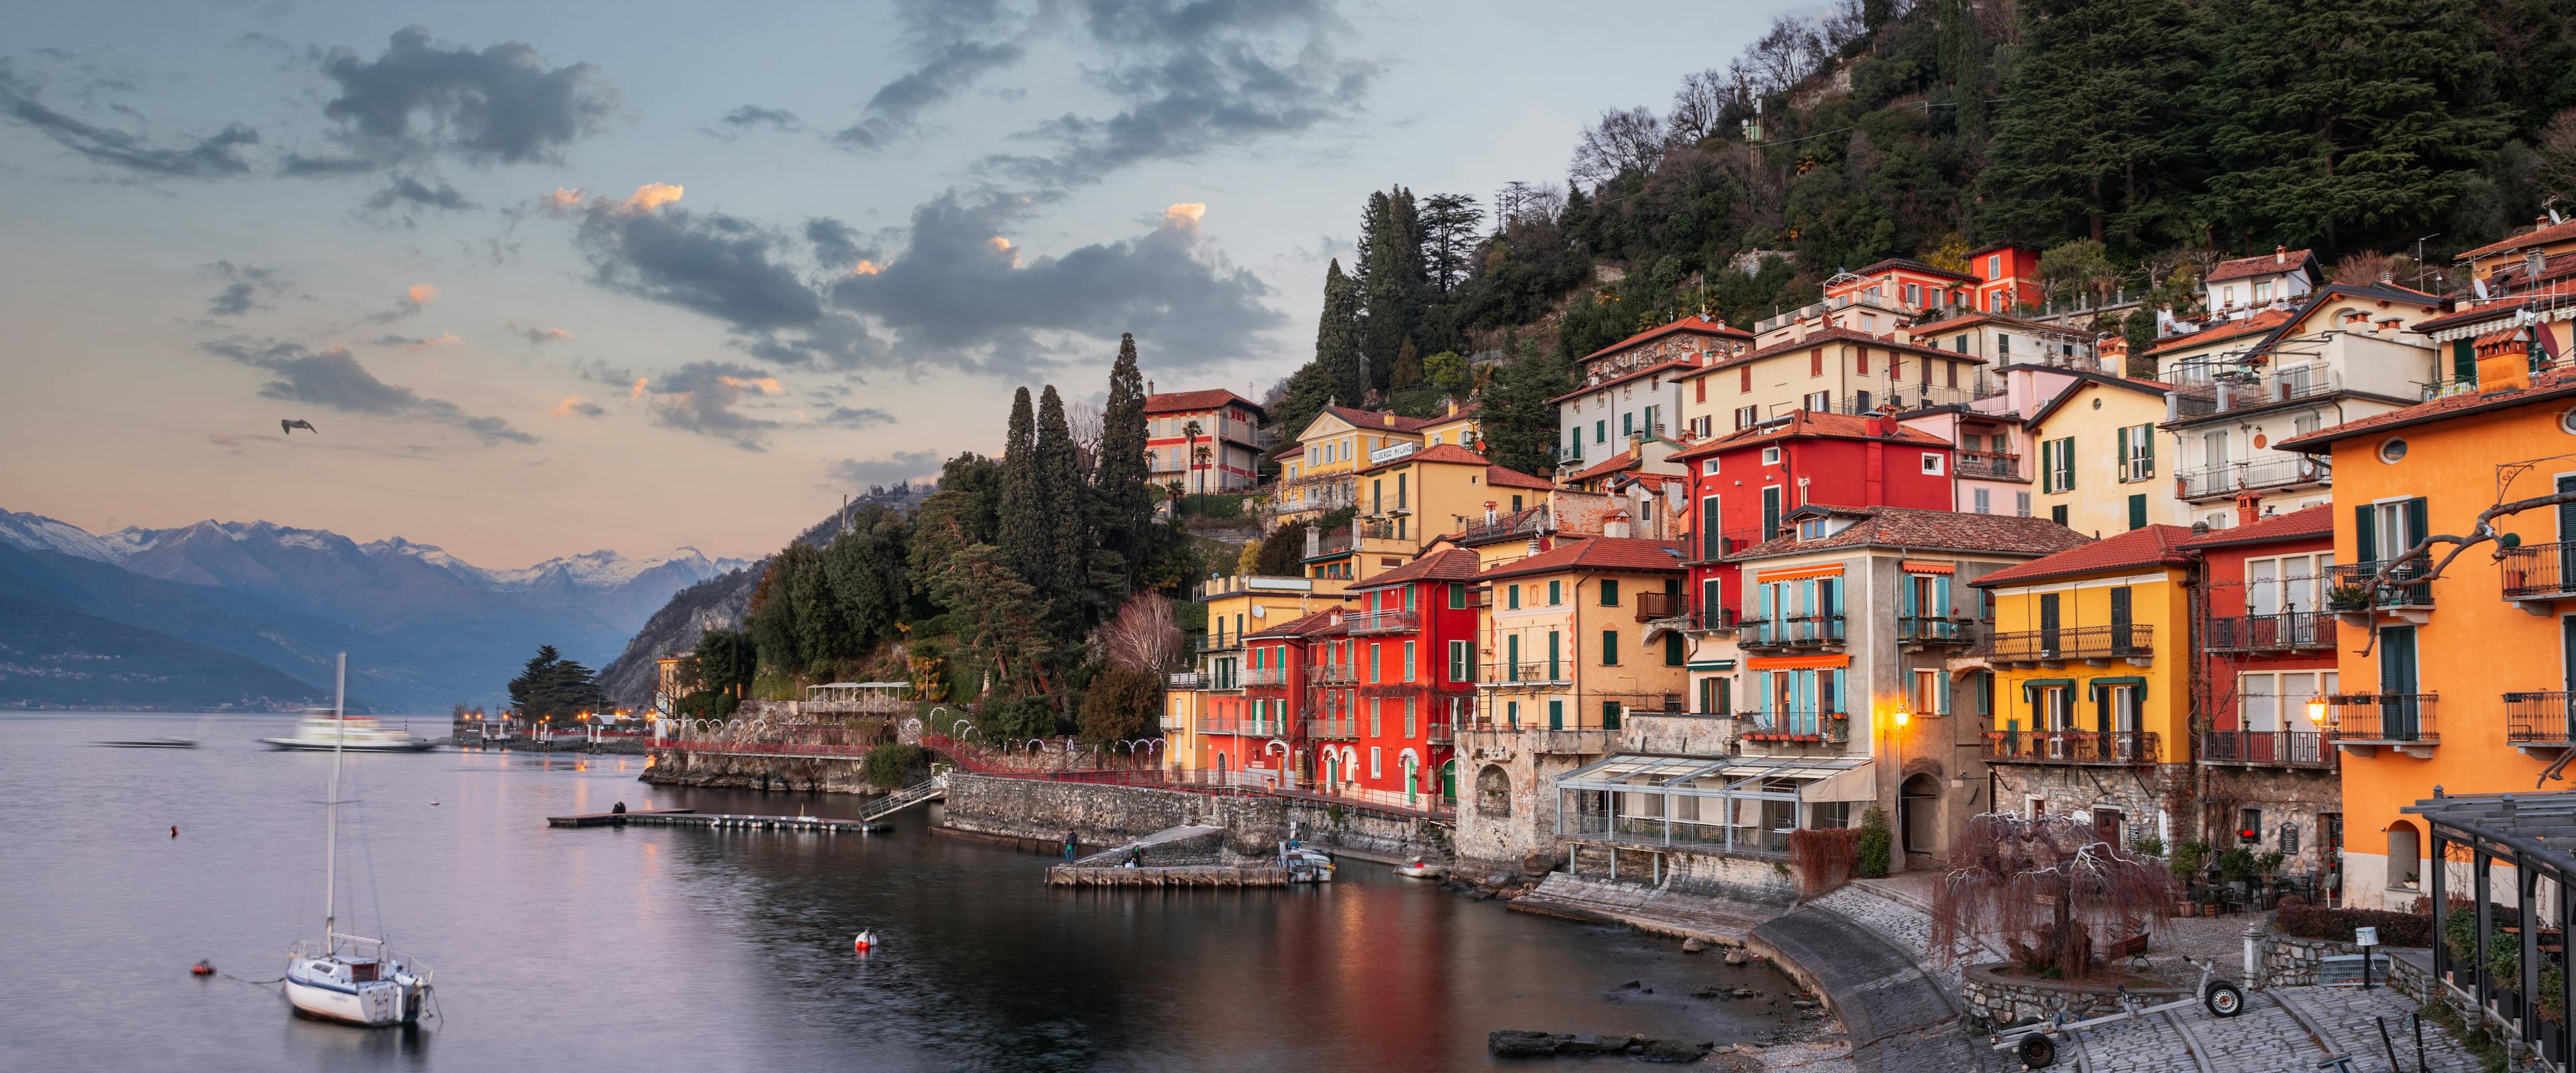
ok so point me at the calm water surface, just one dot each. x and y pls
(657, 948)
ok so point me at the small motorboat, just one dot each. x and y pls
(148, 743)
(355, 733)
(1306, 866)
(866, 941)
(1417, 868)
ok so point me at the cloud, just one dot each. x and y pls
(333, 379)
(849, 417)
(893, 469)
(572, 406)
(750, 117)
(420, 294)
(212, 156)
(960, 290)
(408, 191)
(702, 396)
(953, 43)
(245, 286)
(541, 336)
(651, 196)
(725, 267)
(1196, 76)
(836, 243)
(440, 340)
(421, 99)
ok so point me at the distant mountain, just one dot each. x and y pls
(423, 627)
(53, 654)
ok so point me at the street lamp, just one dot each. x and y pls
(2316, 711)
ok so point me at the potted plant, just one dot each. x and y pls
(2504, 966)
(2552, 1001)
(2460, 938)
(2348, 599)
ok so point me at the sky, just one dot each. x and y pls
(547, 278)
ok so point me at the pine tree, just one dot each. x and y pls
(1407, 371)
(1121, 483)
(1307, 392)
(1025, 529)
(2346, 124)
(1391, 281)
(1449, 237)
(1063, 492)
(2094, 137)
(1518, 420)
(1337, 342)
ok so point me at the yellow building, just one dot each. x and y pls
(1565, 635)
(1180, 722)
(2091, 703)
(1459, 425)
(1238, 606)
(1322, 474)
(1824, 369)
(2097, 471)
(2463, 680)
(1412, 499)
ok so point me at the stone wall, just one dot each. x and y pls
(2286, 796)
(794, 773)
(2290, 961)
(1104, 814)
(1743, 879)
(1993, 998)
(2143, 794)
(1517, 826)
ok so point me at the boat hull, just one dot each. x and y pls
(375, 1006)
(308, 745)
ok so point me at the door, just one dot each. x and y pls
(1449, 782)
(2048, 624)
(2120, 641)
(2398, 709)
(1770, 512)
(2566, 535)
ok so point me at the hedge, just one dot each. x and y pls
(2297, 917)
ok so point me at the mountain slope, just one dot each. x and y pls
(52, 654)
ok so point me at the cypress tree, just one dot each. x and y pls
(1025, 529)
(1391, 281)
(1062, 493)
(1126, 502)
(1337, 343)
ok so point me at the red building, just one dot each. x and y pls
(1413, 645)
(1899, 283)
(1237, 734)
(2267, 647)
(1744, 483)
(2007, 279)
(1220, 456)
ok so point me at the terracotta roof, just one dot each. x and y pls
(1974, 316)
(2261, 264)
(1438, 452)
(1809, 423)
(1451, 564)
(1304, 627)
(1507, 477)
(2260, 322)
(2537, 236)
(1686, 324)
(1613, 464)
(2311, 523)
(1377, 419)
(1471, 408)
(1660, 367)
(1911, 265)
(2553, 384)
(2550, 298)
(2083, 378)
(2155, 545)
(1945, 530)
(1821, 336)
(1595, 553)
(1192, 401)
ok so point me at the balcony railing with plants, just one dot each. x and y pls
(1935, 630)
(1391, 621)
(2229, 478)
(1797, 631)
(2540, 718)
(2281, 631)
(2539, 570)
(1510, 524)
(2072, 747)
(1334, 674)
(2271, 748)
(2130, 641)
(2355, 591)
(2204, 388)
(2383, 718)
(1810, 726)
(1989, 464)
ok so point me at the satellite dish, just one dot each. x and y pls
(1259, 611)
(2480, 286)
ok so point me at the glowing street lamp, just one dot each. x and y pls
(1901, 714)
(2317, 711)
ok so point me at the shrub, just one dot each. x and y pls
(2296, 917)
(895, 765)
(1873, 846)
(2153, 847)
(704, 704)
(2189, 858)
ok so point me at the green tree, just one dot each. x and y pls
(1408, 367)
(1122, 483)
(1001, 620)
(1449, 223)
(1391, 282)
(1025, 528)
(1520, 425)
(552, 686)
(895, 765)
(2095, 137)
(1062, 491)
(726, 661)
(869, 568)
(2077, 267)
(1122, 704)
(1451, 374)
(1282, 553)
(1339, 365)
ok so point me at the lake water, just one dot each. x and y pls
(663, 948)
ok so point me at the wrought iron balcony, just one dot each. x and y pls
(2201, 389)
(2285, 631)
(1393, 621)
(2266, 748)
(1989, 464)
(2133, 641)
(1440, 732)
(2072, 747)
(2540, 571)
(2355, 592)
(2383, 718)
(2540, 718)
(1526, 674)
(1792, 632)
(1817, 726)
(1263, 676)
(1333, 674)
(2228, 478)
(1182, 680)
(1331, 729)
(1935, 630)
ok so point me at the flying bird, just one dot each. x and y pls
(289, 427)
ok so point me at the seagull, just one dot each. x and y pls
(288, 427)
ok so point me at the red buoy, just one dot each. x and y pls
(202, 968)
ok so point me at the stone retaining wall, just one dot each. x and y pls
(2290, 961)
(1107, 814)
(673, 767)
(1998, 999)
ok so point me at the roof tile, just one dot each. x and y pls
(1686, 324)
(1189, 401)
(2261, 264)
(1945, 530)
(2155, 545)
(1448, 564)
(2308, 523)
(1595, 553)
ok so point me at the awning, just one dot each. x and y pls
(1918, 566)
(1777, 663)
(1794, 573)
(1855, 784)
(1710, 665)
(1834, 775)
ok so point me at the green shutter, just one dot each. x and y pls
(1710, 546)
(2147, 452)
(1609, 648)
(2365, 536)
(2464, 361)
(1672, 648)
(2122, 438)
(2138, 511)
(1609, 592)
(2417, 524)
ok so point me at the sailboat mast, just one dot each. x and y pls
(331, 809)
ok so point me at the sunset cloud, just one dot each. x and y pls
(334, 379)
(421, 294)
(637, 392)
(1185, 215)
(540, 336)
(651, 196)
(572, 406)
(867, 268)
(439, 340)
(566, 197)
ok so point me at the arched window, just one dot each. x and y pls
(2405, 856)
(1493, 791)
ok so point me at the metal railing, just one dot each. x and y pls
(1263, 676)
(2202, 389)
(1527, 672)
(1334, 674)
(2072, 747)
(1741, 839)
(1937, 630)
(1797, 726)
(2229, 478)
(1800, 631)
(1440, 732)
(1182, 680)
(1396, 621)
(2539, 570)
(1506, 524)
(2277, 632)
(1331, 728)
(1537, 738)
(2540, 718)
(1712, 618)
(1263, 727)
(1328, 543)
(2129, 641)
(1729, 541)
(2395, 592)
(2390, 718)
(1989, 464)
(2278, 748)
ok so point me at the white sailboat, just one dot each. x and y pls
(349, 978)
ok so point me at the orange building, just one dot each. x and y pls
(2007, 278)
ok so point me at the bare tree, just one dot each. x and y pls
(2049, 885)
(1085, 421)
(2557, 156)
(1622, 141)
(1143, 635)
(2415, 567)
(1842, 24)
(1785, 54)
(1699, 107)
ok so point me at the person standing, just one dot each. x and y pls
(1069, 844)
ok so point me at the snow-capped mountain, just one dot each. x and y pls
(465, 625)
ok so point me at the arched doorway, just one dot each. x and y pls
(2405, 856)
(1412, 766)
(1449, 782)
(1493, 791)
(1918, 815)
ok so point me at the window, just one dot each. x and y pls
(1609, 648)
(1410, 715)
(1376, 770)
(1708, 468)
(1601, 431)
(1816, 362)
(2003, 345)
(1609, 592)
(1983, 500)
(1673, 648)
(1747, 417)
(1555, 594)
(1771, 456)
(1913, 295)
(1864, 360)
(1994, 266)
(2249, 826)
(2263, 292)
(1818, 401)
(1744, 379)
(2137, 445)
(2057, 465)
(1408, 661)
(1929, 696)
(1700, 389)
(1462, 661)
(1512, 597)
(1457, 595)
(2057, 514)
(2021, 504)
(1950, 371)
(2392, 451)
(1933, 464)
(1627, 424)
(2138, 511)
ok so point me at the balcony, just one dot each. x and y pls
(1509, 524)
(1370, 622)
(2134, 642)
(1334, 674)
(1528, 675)
(2356, 593)
(2540, 718)
(1918, 632)
(1331, 729)
(1258, 728)
(2072, 747)
(1327, 544)
(2399, 719)
(1792, 633)
(2202, 389)
(1655, 605)
(1580, 741)
(2266, 748)
(2536, 574)
(1729, 541)
(2286, 631)
(1263, 676)
(1440, 732)
(1819, 727)
(2228, 478)
(1990, 464)
(1182, 680)
(1712, 619)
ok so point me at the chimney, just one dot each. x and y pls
(2280, 255)
(1489, 512)
(1149, 387)
(1389, 418)
(1453, 407)
(1616, 527)
(2386, 277)
(2248, 506)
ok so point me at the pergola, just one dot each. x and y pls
(882, 698)
(2531, 834)
(1652, 800)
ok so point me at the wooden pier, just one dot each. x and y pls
(681, 817)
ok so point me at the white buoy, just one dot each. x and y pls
(865, 940)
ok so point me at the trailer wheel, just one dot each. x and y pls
(2038, 1052)
(2224, 999)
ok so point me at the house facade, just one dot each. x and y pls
(2237, 287)
(1221, 455)
(1413, 633)
(2007, 278)
(1827, 370)
(2097, 470)
(1322, 474)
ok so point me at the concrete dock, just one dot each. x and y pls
(681, 817)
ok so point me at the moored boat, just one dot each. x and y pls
(351, 979)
